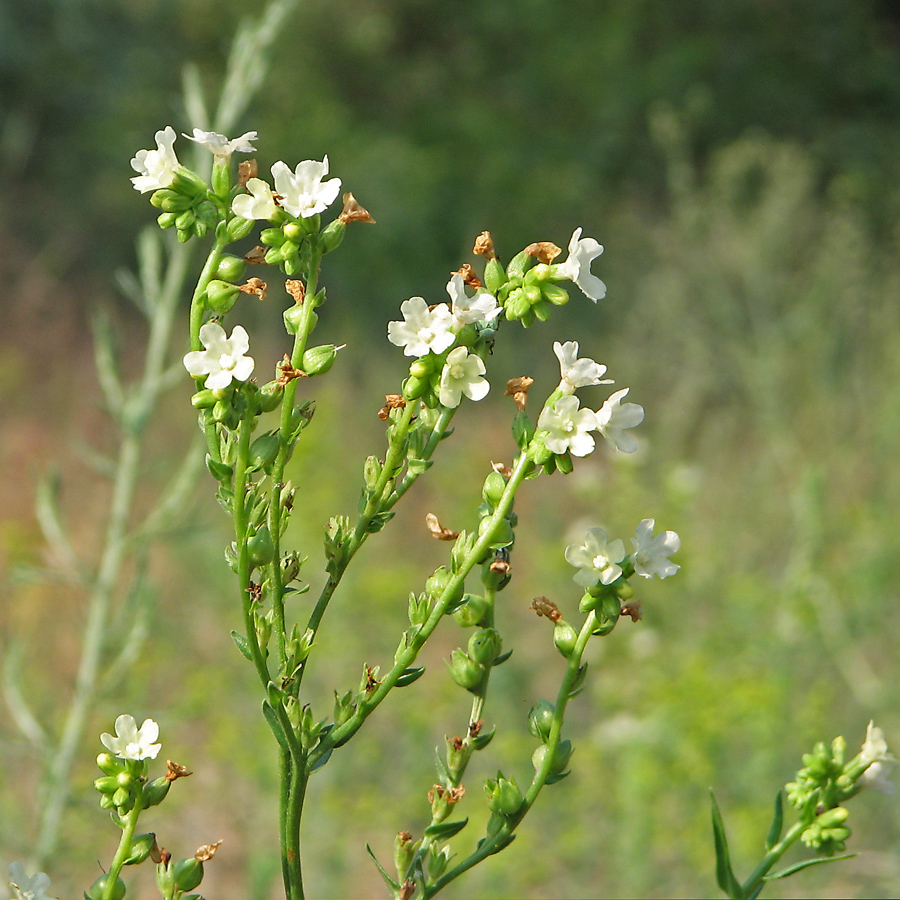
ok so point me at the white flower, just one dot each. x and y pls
(132, 742)
(462, 375)
(223, 359)
(875, 753)
(28, 888)
(258, 204)
(302, 191)
(614, 417)
(651, 553)
(480, 308)
(156, 167)
(422, 329)
(568, 427)
(597, 560)
(576, 373)
(220, 146)
(876, 776)
(577, 266)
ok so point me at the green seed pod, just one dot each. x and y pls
(333, 234)
(98, 889)
(221, 296)
(540, 720)
(269, 396)
(494, 275)
(564, 637)
(560, 758)
(465, 671)
(472, 611)
(230, 268)
(188, 873)
(438, 581)
(293, 318)
(260, 549)
(155, 792)
(318, 360)
(503, 795)
(485, 645)
(494, 486)
(263, 451)
(141, 845)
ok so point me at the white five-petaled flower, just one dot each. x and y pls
(597, 560)
(259, 203)
(875, 753)
(480, 308)
(422, 329)
(302, 192)
(614, 417)
(132, 742)
(32, 887)
(574, 372)
(462, 375)
(220, 146)
(651, 554)
(567, 427)
(577, 267)
(223, 358)
(156, 168)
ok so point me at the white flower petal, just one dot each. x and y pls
(577, 268)
(156, 168)
(223, 360)
(303, 193)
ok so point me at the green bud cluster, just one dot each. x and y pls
(289, 244)
(503, 795)
(823, 781)
(185, 206)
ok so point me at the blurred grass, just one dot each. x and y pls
(753, 311)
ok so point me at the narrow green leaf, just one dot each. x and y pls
(393, 885)
(275, 725)
(418, 466)
(774, 835)
(724, 876)
(321, 760)
(807, 863)
(552, 779)
(409, 676)
(242, 644)
(442, 770)
(443, 831)
(502, 658)
(480, 741)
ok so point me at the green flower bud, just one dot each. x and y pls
(472, 611)
(414, 387)
(109, 764)
(106, 802)
(230, 268)
(503, 795)
(624, 590)
(98, 889)
(560, 757)
(333, 234)
(122, 799)
(263, 629)
(141, 845)
(292, 232)
(238, 228)
(540, 720)
(107, 784)
(263, 451)
(318, 360)
(519, 265)
(517, 305)
(564, 637)
(166, 220)
(485, 645)
(188, 873)
(269, 396)
(494, 486)
(564, 463)
(260, 549)
(221, 296)
(554, 294)
(465, 671)
(155, 792)
(184, 221)
(421, 368)
(494, 276)
(171, 202)
(540, 273)
(271, 237)
(204, 399)
(404, 850)
(832, 817)
(221, 177)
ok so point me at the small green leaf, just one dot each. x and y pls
(552, 779)
(242, 644)
(275, 725)
(777, 822)
(408, 676)
(442, 770)
(480, 741)
(443, 831)
(393, 885)
(724, 876)
(807, 863)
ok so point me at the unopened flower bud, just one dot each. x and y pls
(504, 796)
(333, 234)
(494, 275)
(540, 720)
(832, 817)
(564, 637)
(465, 671)
(108, 784)
(318, 360)
(122, 799)
(238, 228)
(485, 645)
(109, 764)
(554, 294)
(155, 792)
(472, 611)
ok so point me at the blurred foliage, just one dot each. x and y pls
(740, 162)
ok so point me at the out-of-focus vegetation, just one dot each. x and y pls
(740, 163)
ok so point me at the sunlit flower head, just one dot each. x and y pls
(577, 267)
(302, 192)
(259, 203)
(462, 375)
(597, 559)
(220, 146)
(567, 427)
(875, 753)
(482, 307)
(132, 742)
(651, 553)
(28, 888)
(156, 168)
(223, 359)
(574, 372)
(614, 417)
(422, 330)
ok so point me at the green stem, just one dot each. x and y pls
(124, 849)
(753, 883)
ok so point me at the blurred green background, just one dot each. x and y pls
(739, 161)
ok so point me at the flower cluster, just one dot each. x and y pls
(131, 742)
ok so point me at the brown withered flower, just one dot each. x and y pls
(484, 246)
(392, 401)
(544, 607)
(256, 257)
(543, 251)
(255, 286)
(353, 212)
(288, 372)
(437, 530)
(632, 609)
(175, 771)
(247, 169)
(468, 276)
(296, 289)
(205, 852)
(517, 388)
